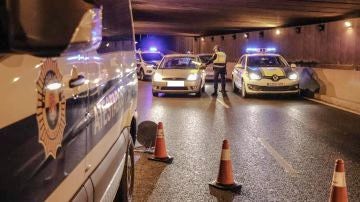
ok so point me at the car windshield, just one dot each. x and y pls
(179, 63)
(147, 57)
(205, 58)
(265, 61)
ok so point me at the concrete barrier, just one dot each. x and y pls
(339, 87)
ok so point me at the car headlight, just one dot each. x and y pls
(157, 77)
(254, 76)
(192, 77)
(293, 76)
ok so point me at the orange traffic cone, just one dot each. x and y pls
(225, 178)
(160, 153)
(338, 191)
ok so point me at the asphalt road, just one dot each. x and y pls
(282, 148)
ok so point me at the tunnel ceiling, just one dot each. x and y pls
(206, 17)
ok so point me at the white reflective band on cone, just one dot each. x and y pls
(339, 179)
(160, 133)
(225, 155)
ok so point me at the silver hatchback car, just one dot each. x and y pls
(179, 74)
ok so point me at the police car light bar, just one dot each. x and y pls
(153, 49)
(260, 50)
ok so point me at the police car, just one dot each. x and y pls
(262, 71)
(69, 97)
(147, 62)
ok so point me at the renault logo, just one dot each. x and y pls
(275, 77)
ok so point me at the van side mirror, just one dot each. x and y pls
(293, 65)
(57, 25)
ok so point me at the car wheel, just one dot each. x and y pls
(235, 89)
(198, 94)
(126, 188)
(243, 90)
(155, 94)
(142, 75)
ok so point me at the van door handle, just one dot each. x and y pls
(87, 168)
(80, 80)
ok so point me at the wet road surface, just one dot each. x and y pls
(282, 148)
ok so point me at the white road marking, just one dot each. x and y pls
(223, 103)
(332, 105)
(283, 163)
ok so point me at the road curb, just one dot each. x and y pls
(332, 105)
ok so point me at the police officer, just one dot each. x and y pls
(219, 65)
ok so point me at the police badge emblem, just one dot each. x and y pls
(51, 104)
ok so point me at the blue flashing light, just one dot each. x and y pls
(153, 49)
(253, 50)
(268, 50)
(260, 50)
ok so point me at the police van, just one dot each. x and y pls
(69, 95)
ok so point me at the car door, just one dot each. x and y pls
(238, 71)
(112, 83)
(202, 73)
(42, 147)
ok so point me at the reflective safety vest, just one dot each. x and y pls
(220, 60)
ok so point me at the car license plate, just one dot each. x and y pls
(275, 84)
(175, 83)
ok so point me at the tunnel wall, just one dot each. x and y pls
(335, 45)
(334, 55)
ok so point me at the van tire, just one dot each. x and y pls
(126, 188)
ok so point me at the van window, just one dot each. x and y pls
(117, 27)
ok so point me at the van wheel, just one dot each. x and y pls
(142, 75)
(243, 90)
(126, 188)
(235, 89)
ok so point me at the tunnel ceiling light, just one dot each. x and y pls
(321, 27)
(347, 24)
(202, 39)
(246, 35)
(298, 30)
(277, 32)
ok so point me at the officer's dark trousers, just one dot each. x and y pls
(222, 73)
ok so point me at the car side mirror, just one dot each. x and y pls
(238, 66)
(293, 66)
(202, 66)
